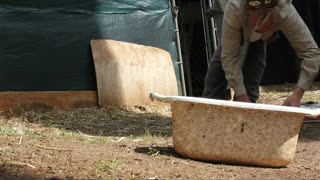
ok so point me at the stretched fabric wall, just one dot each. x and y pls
(45, 44)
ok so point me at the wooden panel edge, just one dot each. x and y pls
(60, 99)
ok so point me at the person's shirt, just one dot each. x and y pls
(290, 23)
(222, 4)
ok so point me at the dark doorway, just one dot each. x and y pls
(282, 63)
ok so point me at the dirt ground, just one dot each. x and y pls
(39, 142)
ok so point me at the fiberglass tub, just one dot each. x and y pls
(234, 132)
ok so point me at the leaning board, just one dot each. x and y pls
(126, 73)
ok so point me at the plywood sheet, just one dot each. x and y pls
(126, 73)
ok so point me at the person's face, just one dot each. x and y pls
(260, 14)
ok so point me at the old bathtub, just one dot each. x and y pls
(234, 132)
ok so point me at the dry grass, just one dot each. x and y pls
(98, 143)
(278, 93)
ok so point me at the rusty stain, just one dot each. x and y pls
(242, 127)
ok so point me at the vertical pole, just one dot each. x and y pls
(180, 61)
(213, 29)
(206, 30)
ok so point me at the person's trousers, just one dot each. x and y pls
(216, 85)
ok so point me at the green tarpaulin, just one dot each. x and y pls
(45, 44)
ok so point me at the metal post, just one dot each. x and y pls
(209, 28)
(206, 30)
(180, 62)
(213, 29)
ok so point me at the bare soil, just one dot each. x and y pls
(39, 142)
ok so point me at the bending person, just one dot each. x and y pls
(247, 26)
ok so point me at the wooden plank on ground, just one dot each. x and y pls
(60, 99)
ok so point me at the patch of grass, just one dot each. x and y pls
(147, 132)
(7, 131)
(153, 152)
(38, 135)
(147, 135)
(108, 167)
(65, 134)
(98, 140)
(6, 151)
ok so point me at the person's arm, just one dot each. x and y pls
(306, 49)
(295, 98)
(230, 57)
(222, 3)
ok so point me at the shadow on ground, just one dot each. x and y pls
(14, 173)
(24, 174)
(169, 151)
(108, 121)
(310, 132)
(154, 151)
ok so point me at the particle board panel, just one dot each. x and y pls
(60, 99)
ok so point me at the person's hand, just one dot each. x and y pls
(311, 117)
(295, 98)
(242, 98)
(292, 100)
